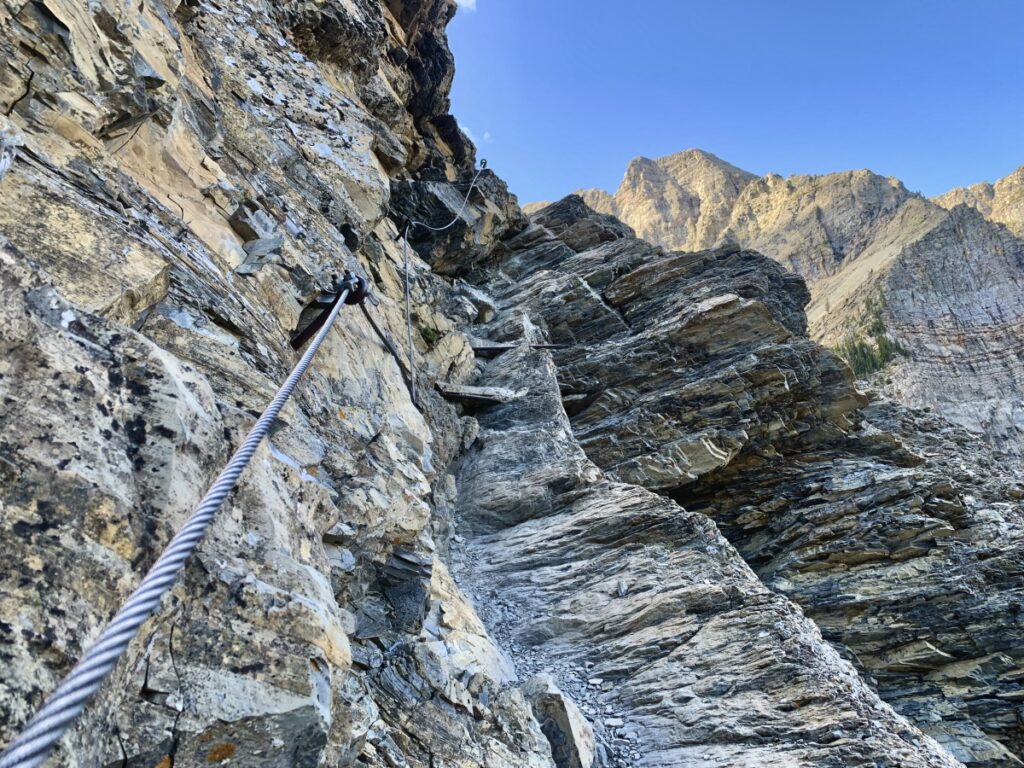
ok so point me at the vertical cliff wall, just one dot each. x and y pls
(1001, 202)
(690, 374)
(505, 578)
(188, 176)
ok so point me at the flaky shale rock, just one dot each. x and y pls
(899, 283)
(188, 176)
(646, 613)
(548, 546)
(571, 736)
(1002, 202)
(688, 374)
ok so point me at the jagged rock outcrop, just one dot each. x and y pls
(898, 282)
(645, 612)
(687, 373)
(950, 299)
(188, 176)
(1002, 202)
(693, 200)
(693, 192)
(510, 582)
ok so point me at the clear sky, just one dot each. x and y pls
(561, 94)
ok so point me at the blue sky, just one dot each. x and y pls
(561, 94)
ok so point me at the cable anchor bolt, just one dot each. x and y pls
(358, 288)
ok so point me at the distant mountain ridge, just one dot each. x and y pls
(929, 290)
(1001, 202)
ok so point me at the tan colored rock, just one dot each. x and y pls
(314, 625)
(861, 240)
(680, 201)
(693, 200)
(186, 177)
(1002, 202)
(570, 734)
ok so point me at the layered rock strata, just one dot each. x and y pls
(688, 374)
(1002, 202)
(187, 177)
(645, 613)
(898, 282)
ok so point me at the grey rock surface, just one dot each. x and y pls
(164, 144)
(570, 734)
(388, 580)
(707, 391)
(885, 267)
(645, 614)
(1002, 202)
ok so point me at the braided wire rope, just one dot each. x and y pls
(408, 289)
(31, 747)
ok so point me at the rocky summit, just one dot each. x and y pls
(1002, 202)
(926, 291)
(633, 516)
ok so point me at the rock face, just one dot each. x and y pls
(679, 536)
(188, 177)
(688, 374)
(898, 281)
(1002, 202)
(645, 612)
(693, 200)
(951, 300)
(680, 201)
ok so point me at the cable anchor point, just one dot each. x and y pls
(358, 288)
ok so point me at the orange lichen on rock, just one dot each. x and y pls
(221, 752)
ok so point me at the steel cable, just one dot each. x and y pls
(408, 289)
(31, 747)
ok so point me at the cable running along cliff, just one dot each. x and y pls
(408, 291)
(31, 747)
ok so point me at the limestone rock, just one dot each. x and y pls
(1002, 202)
(695, 193)
(696, 660)
(950, 298)
(670, 501)
(570, 734)
(161, 146)
(693, 200)
(871, 252)
(707, 392)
